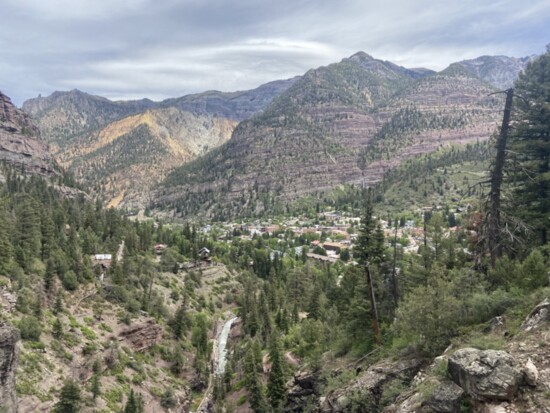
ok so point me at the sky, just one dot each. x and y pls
(129, 49)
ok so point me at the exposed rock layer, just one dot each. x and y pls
(20, 142)
(8, 363)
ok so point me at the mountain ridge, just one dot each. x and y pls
(318, 134)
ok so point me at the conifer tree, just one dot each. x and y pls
(96, 385)
(6, 247)
(134, 403)
(530, 147)
(70, 398)
(276, 380)
(253, 382)
(57, 329)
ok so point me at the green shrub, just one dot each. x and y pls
(88, 333)
(30, 328)
(168, 398)
(70, 282)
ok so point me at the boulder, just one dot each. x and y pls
(530, 373)
(537, 317)
(485, 375)
(446, 398)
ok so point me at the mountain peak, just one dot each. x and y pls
(360, 55)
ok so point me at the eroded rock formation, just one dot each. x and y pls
(8, 363)
(20, 142)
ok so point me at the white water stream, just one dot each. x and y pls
(221, 347)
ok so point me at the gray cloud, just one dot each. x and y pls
(136, 48)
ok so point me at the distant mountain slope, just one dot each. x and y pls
(124, 160)
(236, 105)
(20, 142)
(343, 123)
(122, 149)
(63, 116)
(499, 71)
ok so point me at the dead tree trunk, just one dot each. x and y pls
(493, 219)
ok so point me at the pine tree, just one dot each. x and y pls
(253, 382)
(58, 305)
(6, 247)
(27, 231)
(57, 329)
(134, 403)
(96, 385)
(370, 251)
(49, 275)
(530, 146)
(69, 400)
(48, 235)
(179, 322)
(276, 380)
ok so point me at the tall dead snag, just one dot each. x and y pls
(493, 216)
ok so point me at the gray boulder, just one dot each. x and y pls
(485, 374)
(446, 398)
(537, 317)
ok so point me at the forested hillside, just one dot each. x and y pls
(346, 123)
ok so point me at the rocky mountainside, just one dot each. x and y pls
(125, 159)
(64, 117)
(20, 142)
(499, 71)
(343, 123)
(515, 379)
(122, 149)
(8, 364)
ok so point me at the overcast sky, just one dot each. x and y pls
(125, 49)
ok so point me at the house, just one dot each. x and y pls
(103, 257)
(204, 254)
(333, 246)
(322, 258)
(103, 261)
(159, 248)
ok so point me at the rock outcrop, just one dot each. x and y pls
(538, 317)
(20, 142)
(485, 375)
(366, 391)
(8, 363)
(301, 391)
(142, 336)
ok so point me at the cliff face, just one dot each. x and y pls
(8, 363)
(20, 142)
